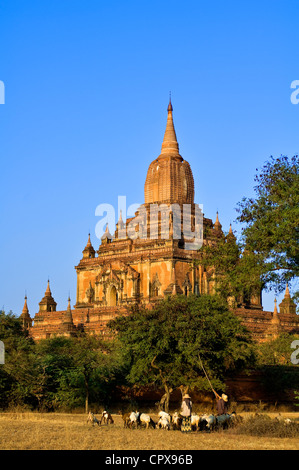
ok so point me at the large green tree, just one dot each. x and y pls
(95, 366)
(75, 371)
(166, 346)
(16, 373)
(236, 272)
(271, 229)
(266, 255)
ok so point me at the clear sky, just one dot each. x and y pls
(86, 91)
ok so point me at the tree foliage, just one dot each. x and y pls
(276, 352)
(266, 255)
(164, 346)
(271, 230)
(55, 373)
(237, 274)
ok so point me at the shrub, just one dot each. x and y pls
(262, 425)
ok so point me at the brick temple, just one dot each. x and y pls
(127, 270)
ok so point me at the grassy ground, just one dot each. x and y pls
(53, 431)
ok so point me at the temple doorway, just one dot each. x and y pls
(112, 301)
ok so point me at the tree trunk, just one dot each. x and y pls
(86, 396)
(164, 402)
(184, 389)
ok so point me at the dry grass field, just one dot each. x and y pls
(53, 431)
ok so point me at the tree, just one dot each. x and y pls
(53, 383)
(276, 352)
(165, 346)
(92, 363)
(266, 256)
(236, 272)
(274, 362)
(16, 372)
(271, 231)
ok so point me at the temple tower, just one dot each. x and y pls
(47, 304)
(287, 305)
(25, 317)
(169, 178)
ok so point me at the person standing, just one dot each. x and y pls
(186, 413)
(222, 405)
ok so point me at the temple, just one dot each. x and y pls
(151, 256)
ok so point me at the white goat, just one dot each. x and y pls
(134, 419)
(176, 421)
(284, 420)
(163, 414)
(147, 420)
(164, 423)
(195, 420)
(92, 419)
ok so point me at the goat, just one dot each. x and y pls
(208, 421)
(284, 420)
(225, 420)
(126, 420)
(147, 420)
(134, 419)
(163, 414)
(176, 421)
(92, 419)
(195, 420)
(106, 417)
(163, 423)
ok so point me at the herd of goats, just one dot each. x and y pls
(137, 420)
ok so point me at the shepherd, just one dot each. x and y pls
(186, 413)
(222, 405)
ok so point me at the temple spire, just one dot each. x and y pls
(287, 305)
(287, 292)
(88, 251)
(120, 222)
(107, 237)
(48, 292)
(25, 317)
(25, 308)
(217, 224)
(274, 327)
(67, 319)
(120, 231)
(170, 146)
(47, 304)
(231, 236)
(88, 244)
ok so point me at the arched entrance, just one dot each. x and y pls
(112, 298)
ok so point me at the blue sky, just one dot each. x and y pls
(86, 92)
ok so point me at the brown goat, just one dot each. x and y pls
(107, 418)
(126, 419)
